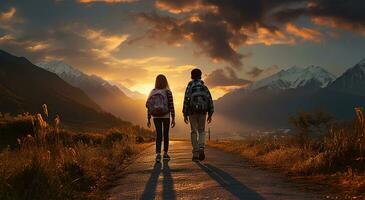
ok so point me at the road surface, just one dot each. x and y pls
(220, 176)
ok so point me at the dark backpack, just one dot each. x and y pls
(157, 103)
(199, 98)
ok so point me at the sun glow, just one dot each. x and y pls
(144, 88)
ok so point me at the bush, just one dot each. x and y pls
(32, 182)
(311, 127)
(62, 164)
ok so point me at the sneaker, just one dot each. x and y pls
(166, 157)
(201, 154)
(158, 158)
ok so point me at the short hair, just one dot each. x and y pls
(196, 74)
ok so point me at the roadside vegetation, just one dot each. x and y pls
(321, 149)
(41, 160)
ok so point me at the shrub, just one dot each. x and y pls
(61, 164)
(311, 127)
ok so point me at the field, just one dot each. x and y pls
(322, 149)
(41, 160)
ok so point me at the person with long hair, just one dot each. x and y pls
(160, 106)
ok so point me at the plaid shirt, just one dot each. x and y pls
(186, 107)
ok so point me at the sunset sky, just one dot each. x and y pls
(234, 42)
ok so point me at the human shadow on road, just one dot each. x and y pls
(229, 183)
(151, 185)
(167, 184)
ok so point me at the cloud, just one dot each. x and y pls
(219, 31)
(339, 24)
(258, 73)
(104, 44)
(38, 46)
(106, 1)
(183, 6)
(348, 15)
(304, 33)
(225, 77)
(269, 37)
(170, 68)
(219, 28)
(153, 60)
(7, 38)
(8, 15)
(213, 38)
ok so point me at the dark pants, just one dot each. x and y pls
(162, 123)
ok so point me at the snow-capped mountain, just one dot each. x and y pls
(78, 78)
(24, 87)
(109, 96)
(59, 68)
(295, 77)
(94, 86)
(352, 81)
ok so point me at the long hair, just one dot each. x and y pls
(161, 82)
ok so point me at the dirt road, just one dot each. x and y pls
(220, 176)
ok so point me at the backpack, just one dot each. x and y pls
(199, 98)
(157, 103)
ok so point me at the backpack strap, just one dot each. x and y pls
(193, 84)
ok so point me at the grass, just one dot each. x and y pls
(335, 155)
(42, 161)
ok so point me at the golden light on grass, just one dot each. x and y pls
(67, 165)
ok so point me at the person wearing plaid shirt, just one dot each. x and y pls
(197, 118)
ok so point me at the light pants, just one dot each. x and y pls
(197, 124)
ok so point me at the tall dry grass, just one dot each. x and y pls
(321, 146)
(40, 160)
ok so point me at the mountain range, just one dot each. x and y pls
(110, 97)
(295, 77)
(24, 87)
(268, 103)
(89, 100)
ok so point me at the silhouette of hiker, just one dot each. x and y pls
(160, 105)
(197, 103)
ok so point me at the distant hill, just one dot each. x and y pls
(110, 97)
(268, 103)
(352, 81)
(24, 87)
(295, 77)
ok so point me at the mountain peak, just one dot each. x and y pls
(352, 80)
(295, 77)
(362, 62)
(59, 67)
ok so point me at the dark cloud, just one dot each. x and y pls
(225, 77)
(258, 73)
(219, 27)
(347, 14)
(255, 71)
(213, 37)
(179, 6)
